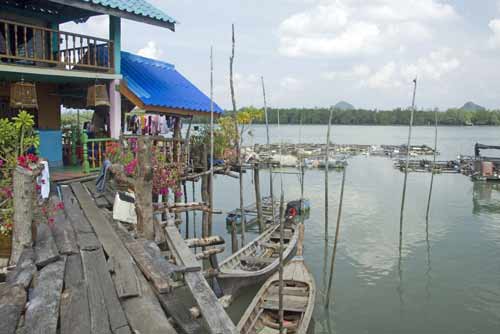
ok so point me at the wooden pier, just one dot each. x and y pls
(88, 274)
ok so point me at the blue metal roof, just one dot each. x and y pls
(135, 7)
(159, 84)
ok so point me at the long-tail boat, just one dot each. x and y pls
(258, 260)
(299, 292)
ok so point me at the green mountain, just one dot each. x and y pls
(342, 105)
(471, 106)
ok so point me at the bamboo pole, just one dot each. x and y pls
(238, 148)
(187, 212)
(433, 164)
(193, 189)
(280, 292)
(258, 199)
(271, 192)
(211, 180)
(327, 165)
(407, 165)
(337, 230)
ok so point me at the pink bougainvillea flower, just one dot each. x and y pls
(51, 220)
(1, 162)
(38, 187)
(60, 206)
(178, 193)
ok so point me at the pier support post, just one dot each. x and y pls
(144, 189)
(24, 197)
(205, 231)
(258, 199)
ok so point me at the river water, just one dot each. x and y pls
(447, 279)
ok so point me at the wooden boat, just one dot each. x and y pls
(258, 260)
(299, 293)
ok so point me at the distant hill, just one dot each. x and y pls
(342, 105)
(471, 106)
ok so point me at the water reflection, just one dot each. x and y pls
(486, 197)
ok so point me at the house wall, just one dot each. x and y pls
(49, 110)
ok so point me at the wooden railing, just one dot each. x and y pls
(33, 45)
(94, 150)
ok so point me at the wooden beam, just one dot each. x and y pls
(115, 12)
(213, 313)
(12, 302)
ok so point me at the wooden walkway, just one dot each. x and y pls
(86, 274)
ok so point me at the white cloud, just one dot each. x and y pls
(359, 71)
(353, 27)
(494, 40)
(430, 68)
(151, 50)
(290, 83)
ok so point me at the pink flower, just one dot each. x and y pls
(178, 193)
(60, 206)
(164, 191)
(1, 162)
(51, 220)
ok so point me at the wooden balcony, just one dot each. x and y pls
(28, 45)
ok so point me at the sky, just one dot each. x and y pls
(315, 53)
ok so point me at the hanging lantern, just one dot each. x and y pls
(97, 96)
(23, 95)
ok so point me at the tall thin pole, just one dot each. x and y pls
(236, 128)
(327, 165)
(433, 164)
(407, 165)
(211, 183)
(280, 293)
(268, 141)
(337, 230)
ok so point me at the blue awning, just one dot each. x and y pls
(159, 84)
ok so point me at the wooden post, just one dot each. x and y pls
(327, 165)
(258, 200)
(403, 197)
(280, 293)
(85, 162)
(234, 237)
(184, 190)
(144, 189)
(211, 178)
(337, 230)
(433, 164)
(204, 194)
(24, 197)
(177, 154)
(74, 139)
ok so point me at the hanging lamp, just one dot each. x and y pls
(97, 96)
(23, 95)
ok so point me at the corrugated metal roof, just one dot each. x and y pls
(137, 7)
(159, 84)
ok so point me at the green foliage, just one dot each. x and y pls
(381, 117)
(17, 136)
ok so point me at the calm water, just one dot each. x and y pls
(446, 280)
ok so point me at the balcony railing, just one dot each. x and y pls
(43, 47)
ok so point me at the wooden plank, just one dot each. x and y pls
(75, 312)
(288, 290)
(99, 198)
(45, 247)
(63, 232)
(290, 303)
(145, 313)
(12, 302)
(213, 313)
(99, 320)
(96, 268)
(25, 269)
(42, 313)
(126, 280)
(257, 260)
(87, 241)
(153, 266)
(74, 212)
